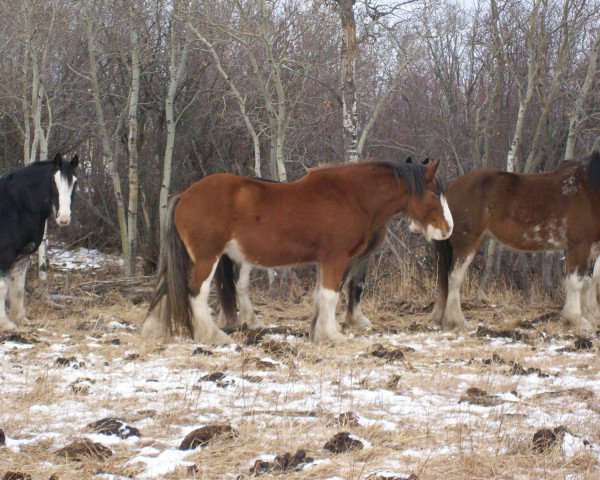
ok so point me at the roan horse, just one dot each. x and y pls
(332, 217)
(27, 198)
(559, 210)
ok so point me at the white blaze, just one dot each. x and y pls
(63, 216)
(447, 214)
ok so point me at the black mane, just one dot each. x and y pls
(412, 174)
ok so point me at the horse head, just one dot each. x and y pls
(430, 214)
(64, 181)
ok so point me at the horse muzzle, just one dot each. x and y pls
(63, 220)
(431, 232)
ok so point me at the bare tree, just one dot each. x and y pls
(353, 146)
(577, 114)
(108, 157)
(179, 50)
(525, 88)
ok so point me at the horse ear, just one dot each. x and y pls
(426, 161)
(408, 159)
(57, 160)
(75, 161)
(431, 168)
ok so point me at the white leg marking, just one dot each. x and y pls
(205, 330)
(5, 323)
(326, 328)
(16, 292)
(155, 325)
(453, 317)
(247, 315)
(571, 312)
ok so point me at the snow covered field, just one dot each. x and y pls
(415, 401)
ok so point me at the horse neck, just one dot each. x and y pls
(381, 193)
(34, 190)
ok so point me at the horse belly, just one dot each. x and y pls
(549, 235)
(269, 247)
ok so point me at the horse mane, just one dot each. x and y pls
(26, 169)
(411, 173)
(593, 171)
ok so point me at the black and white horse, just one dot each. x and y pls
(27, 198)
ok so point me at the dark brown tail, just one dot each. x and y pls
(174, 266)
(443, 260)
(225, 285)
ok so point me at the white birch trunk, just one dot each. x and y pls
(280, 113)
(176, 71)
(132, 138)
(577, 115)
(348, 71)
(238, 96)
(524, 97)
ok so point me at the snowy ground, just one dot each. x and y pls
(432, 404)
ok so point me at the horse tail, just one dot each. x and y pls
(225, 285)
(174, 265)
(443, 258)
(594, 171)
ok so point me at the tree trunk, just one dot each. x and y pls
(576, 116)
(132, 148)
(107, 154)
(240, 99)
(534, 159)
(498, 81)
(524, 97)
(348, 70)
(176, 71)
(280, 113)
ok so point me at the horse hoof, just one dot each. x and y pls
(220, 338)
(6, 324)
(256, 324)
(579, 324)
(455, 325)
(585, 326)
(360, 322)
(20, 320)
(327, 337)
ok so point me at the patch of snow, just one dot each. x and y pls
(81, 259)
(573, 446)
(166, 462)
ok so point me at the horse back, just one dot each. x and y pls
(524, 211)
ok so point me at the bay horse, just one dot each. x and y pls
(331, 217)
(29, 196)
(559, 210)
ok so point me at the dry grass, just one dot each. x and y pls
(416, 421)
